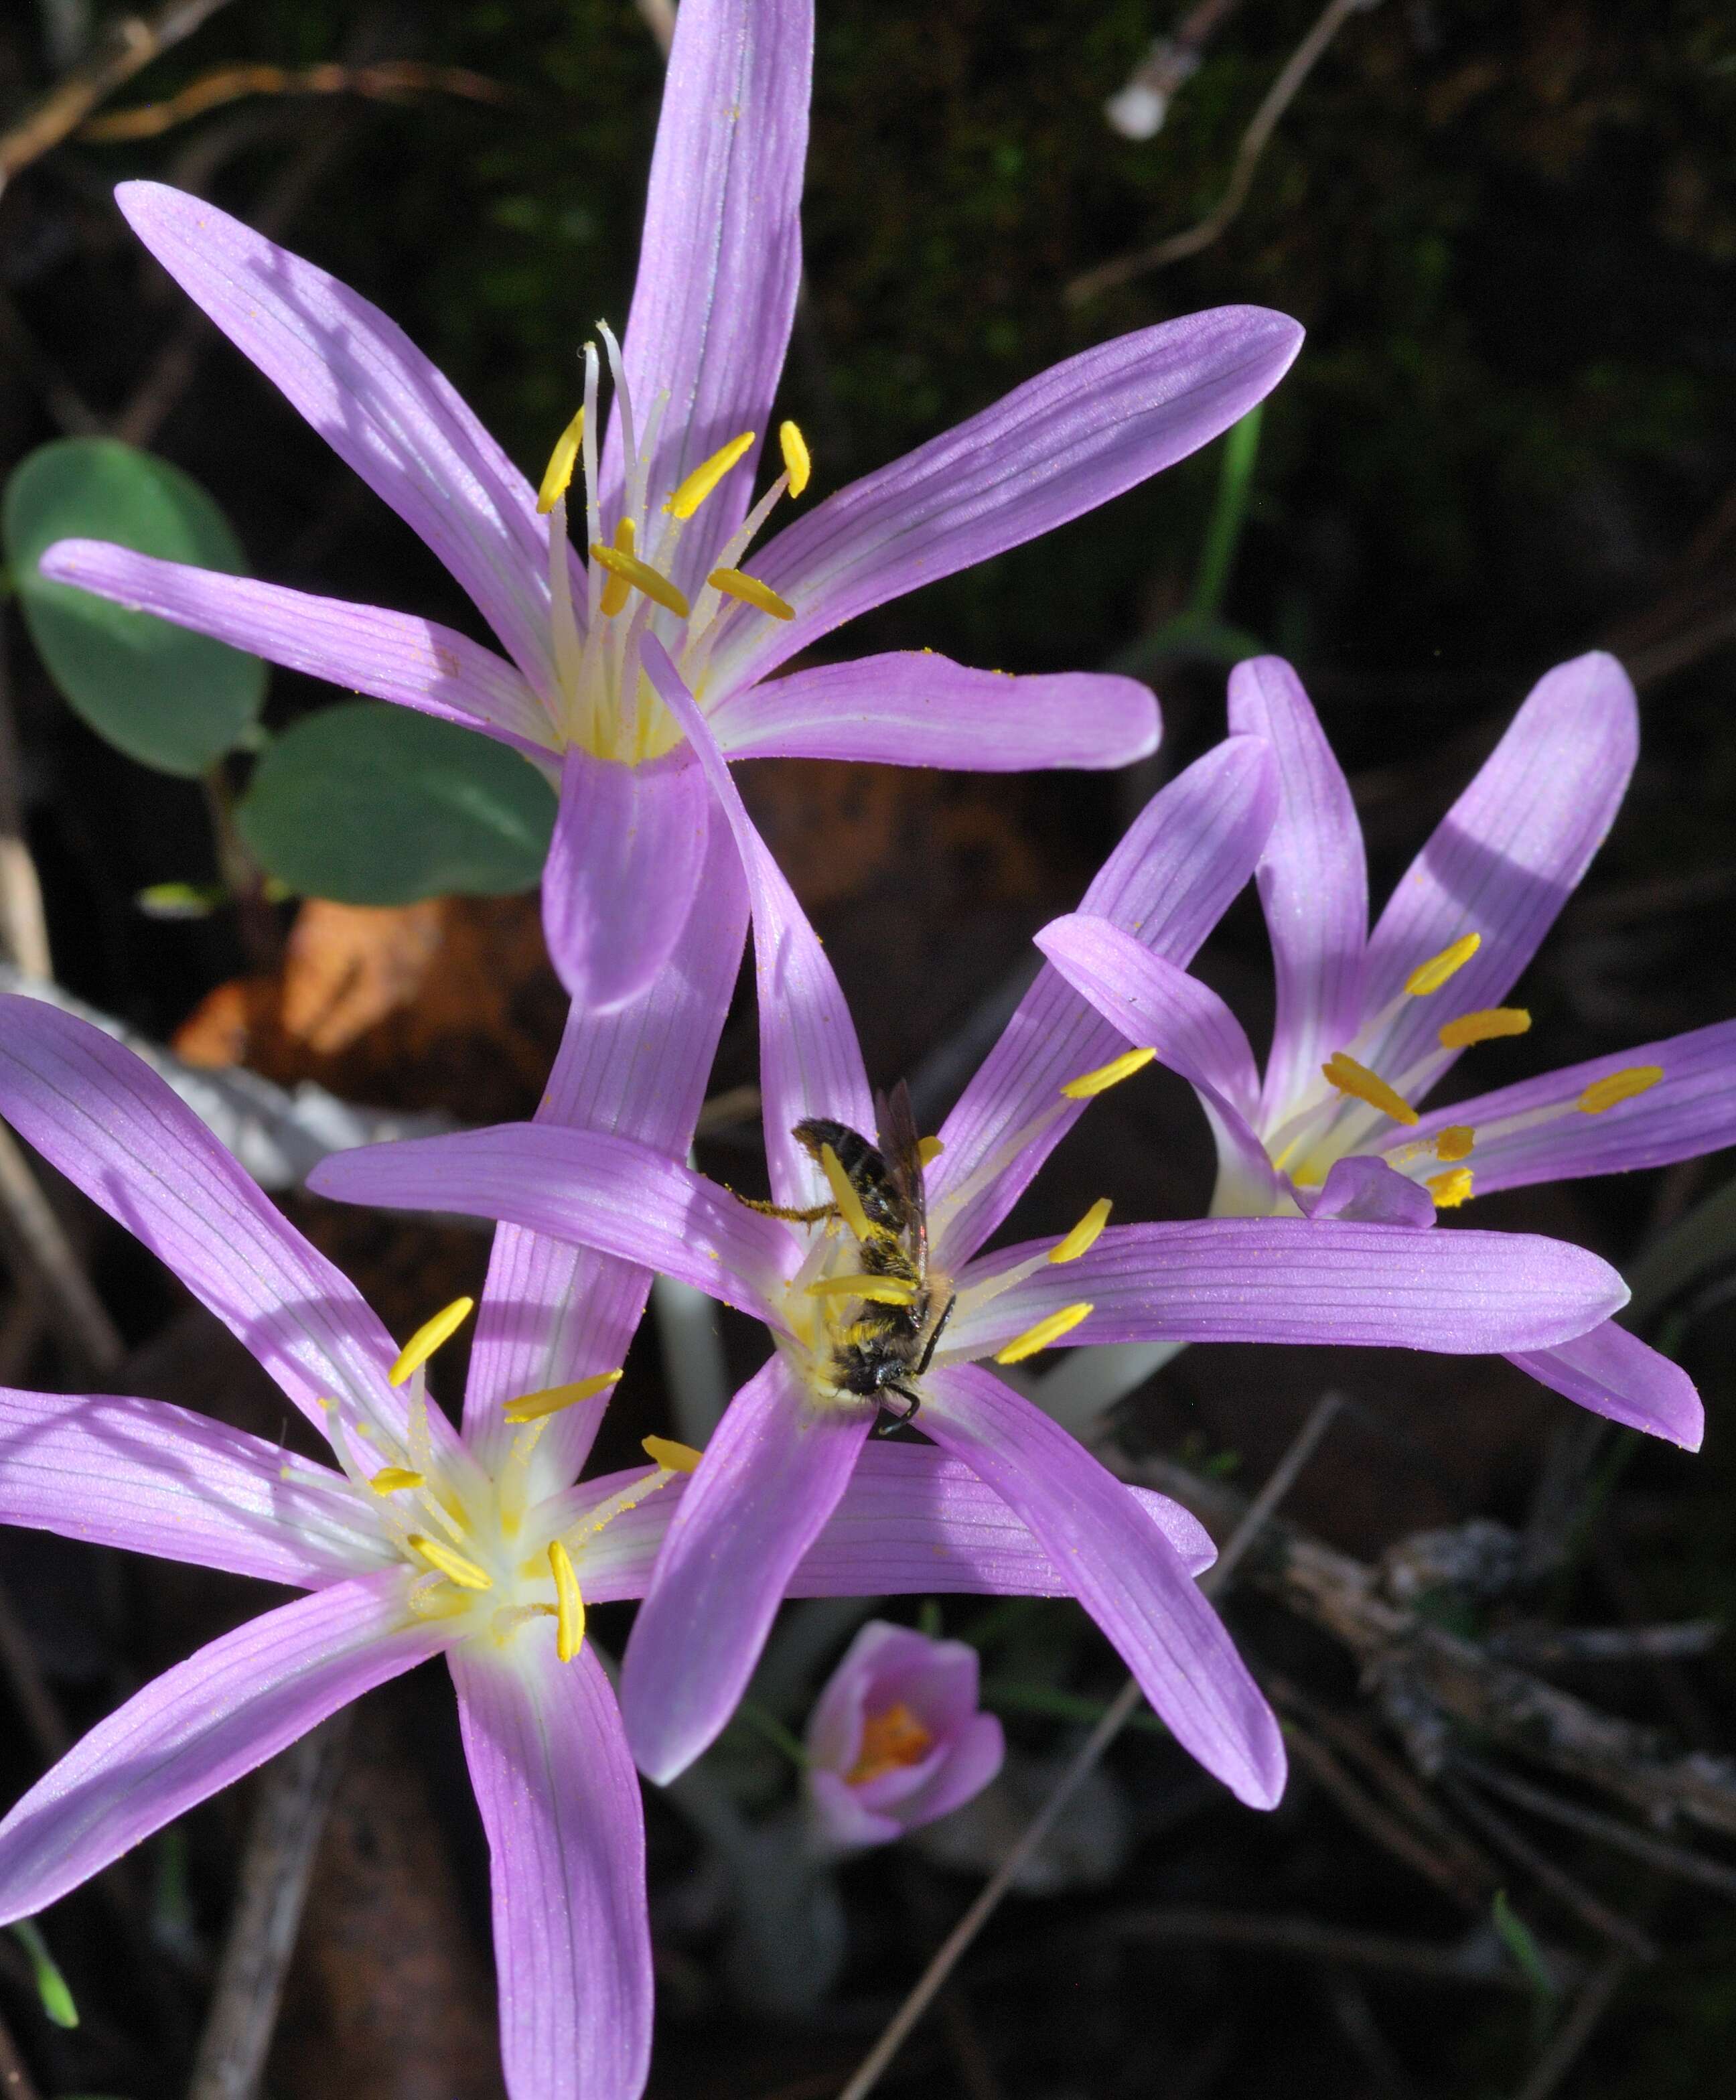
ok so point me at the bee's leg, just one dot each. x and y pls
(767, 1210)
(934, 1337)
(888, 1420)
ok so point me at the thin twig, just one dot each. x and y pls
(39, 1238)
(1589, 1909)
(1576, 2031)
(23, 926)
(1120, 1712)
(1379, 1824)
(383, 82)
(15, 2082)
(1279, 97)
(1308, 1937)
(1137, 110)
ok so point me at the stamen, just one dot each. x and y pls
(428, 1337)
(1483, 1026)
(1083, 1237)
(706, 476)
(891, 1741)
(617, 590)
(843, 1194)
(737, 583)
(641, 576)
(1044, 1334)
(534, 1406)
(798, 460)
(1088, 1084)
(928, 1149)
(455, 1567)
(878, 1289)
(1430, 976)
(1454, 1142)
(390, 1479)
(1450, 1190)
(1621, 1086)
(558, 475)
(1357, 1080)
(672, 1456)
(569, 1633)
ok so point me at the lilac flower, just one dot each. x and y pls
(418, 1542)
(667, 515)
(896, 1740)
(784, 1452)
(1368, 1023)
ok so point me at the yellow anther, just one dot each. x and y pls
(390, 1479)
(843, 1194)
(641, 576)
(1450, 1190)
(737, 583)
(1083, 1237)
(569, 1604)
(616, 592)
(706, 476)
(672, 1456)
(1044, 1334)
(1430, 976)
(558, 475)
(1454, 1142)
(928, 1149)
(1350, 1077)
(878, 1289)
(1483, 1026)
(798, 461)
(455, 1567)
(1621, 1086)
(428, 1337)
(535, 1406)
(1111, 1074)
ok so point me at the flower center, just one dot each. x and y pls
(892, 1740)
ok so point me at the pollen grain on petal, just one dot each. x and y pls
(1483, 1026)
(672, 1456)
(738, 583)
(706, 476)
(456, 1567)
(1089, 1084)
(1084, 1235)
(569, 1603)
(928, 1149)
(1362, 1085)
(641, 576)
(1454, 1142)
(551, 1400)
(390, 1479)
(428, 1337)
(1450, 1190)
(1623, 1085)
(1045, 1334)
(1430, 976)
(798, 461)
(558, 475)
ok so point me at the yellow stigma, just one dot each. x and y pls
(616, 592)
(1044, 1334)
(1350, 1077)
(672, 1456)
(798, 461)
(534, 1406)
(1454, 1142)
(878, 1290)
(455, 1567)
(1621, 1086)
(737, 583)
(843, 1194)
(1430, 976)
(1483, 1026)
(558, 475)
(1450, 1190)
(569, 1604)
(928, 1149)
(641, 576)
(428, 1337)
(1083, 1237)
(1111, 1074)
(390, 1479)
(706, 476)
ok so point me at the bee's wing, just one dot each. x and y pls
(901, 1148)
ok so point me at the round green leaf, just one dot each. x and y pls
(374, 805)
(171, 698)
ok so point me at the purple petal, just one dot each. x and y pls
(1614, 1374)
(623, 869)
(560, 1802)
(1509, 854)
(916, 709)
(1364, 1190)
(1690, 1111)
(886, 1665)
(721, 255)
(977, 1754)
(1313, 881)
(1287, 1280)
(773, 1474)
(392, 655)
(810, 1062)
(841, 1819)
(1130, 1581)
(604, 1192)
(374, 397)
(104, 1118)
(551, 1312)
(1062, 444)
(1168, 882)
(203, 1724)
(159, 1479)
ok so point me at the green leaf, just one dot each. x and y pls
(168, 697)
(51, 1985)
(1521, 1943)
(368, 804)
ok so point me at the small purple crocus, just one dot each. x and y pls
(418, 1542)
(667, 511)
(1367, 1023)
(784, 1452)
(896, 1738)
